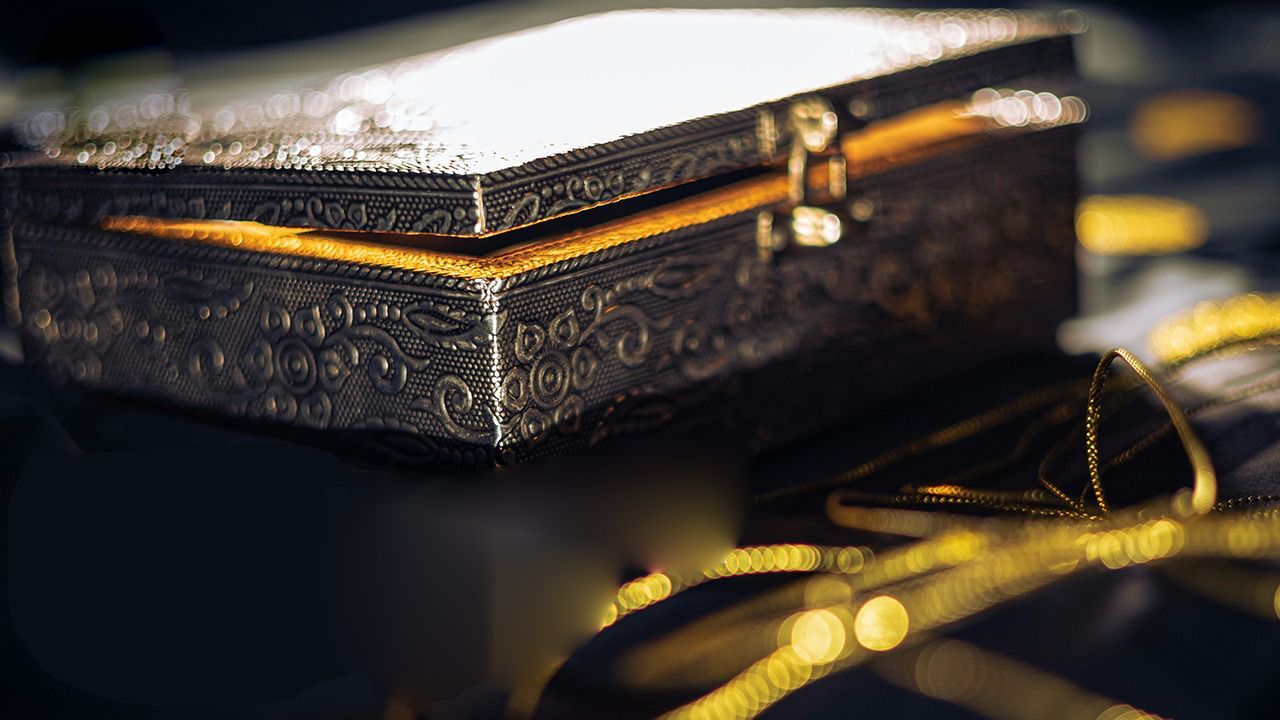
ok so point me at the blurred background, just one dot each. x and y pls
(1181, 180)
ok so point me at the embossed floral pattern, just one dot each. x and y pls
(612, 345)
(559, 362)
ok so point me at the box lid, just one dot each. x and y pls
(505, 132)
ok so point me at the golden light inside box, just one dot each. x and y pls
(904, 139)
(254, 237)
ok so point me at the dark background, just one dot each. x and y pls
(257, 647)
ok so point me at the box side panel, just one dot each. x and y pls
(381, 360)
(967, 259)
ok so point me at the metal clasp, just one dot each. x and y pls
(816, 183)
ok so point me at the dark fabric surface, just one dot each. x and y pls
(185, 564)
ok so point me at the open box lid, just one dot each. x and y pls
(505, 132)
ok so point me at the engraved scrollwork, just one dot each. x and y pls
(306, 355)
(302, 211)
(295, 366)
(314, 211)
(259, 362)
(267, 213)
(578, 360)
(452, 399)
(549, 379)
(529, 340)
(160, 204)
(568, 415)
(447, 327)
(557, 195)
(387, 375)
(566, 194)
(309, 326)
(558, 361)
(278, 404)
(761, 315)
(703, 353)
(315, 410)
(274, 322)
(334, 367)
(636, 411)
(563, 330)
(388, 364)
(534, 426)
(438, 222)
(514, 391)
(632, 344)
(206, 360)
(402, 441)
(579, 191)
(524, 211)
(686, 275)
(207, 298)
(75, 318)
(895, 288)
(583, 366)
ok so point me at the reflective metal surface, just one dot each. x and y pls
(559, 347)
(505, 132)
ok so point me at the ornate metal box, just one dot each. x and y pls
(468, 258)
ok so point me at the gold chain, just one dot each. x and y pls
(1204, 479)
(943, 437)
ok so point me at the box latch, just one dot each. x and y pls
(815, 215)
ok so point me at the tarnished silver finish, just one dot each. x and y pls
(970, 255)
(506, 132)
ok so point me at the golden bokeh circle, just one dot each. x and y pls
(881, 624)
